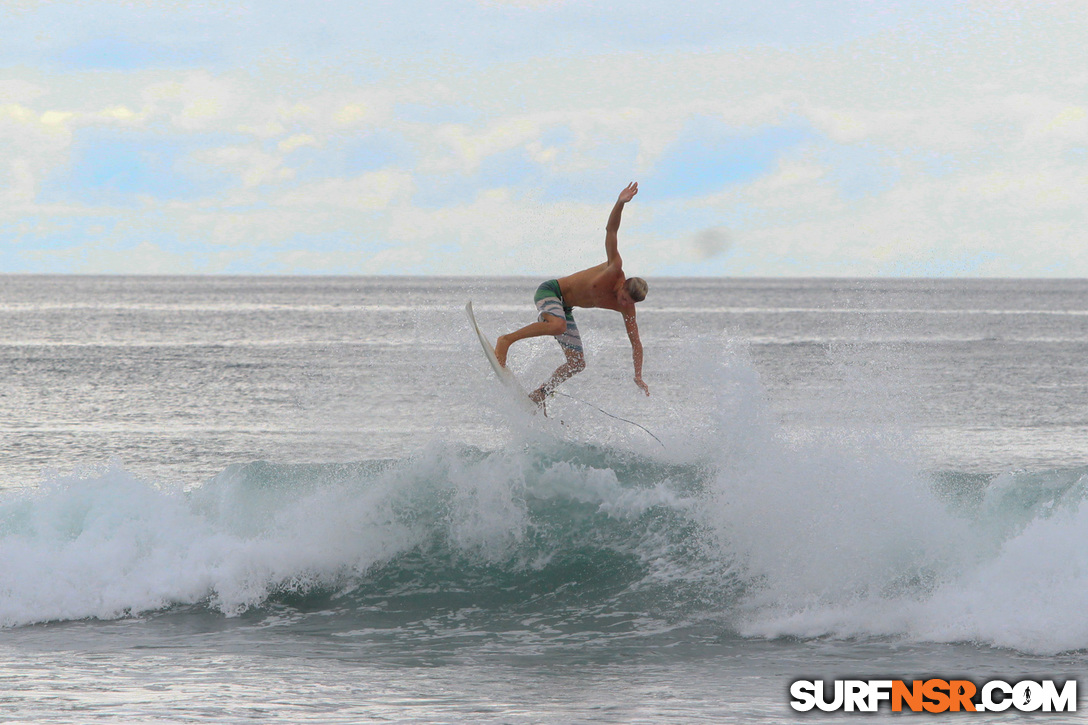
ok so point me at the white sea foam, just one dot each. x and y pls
(845, 537)
(109, 545)
(831, 534)
(1028, 596)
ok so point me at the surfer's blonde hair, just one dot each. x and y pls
(637, 288)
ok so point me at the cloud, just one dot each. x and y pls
(17, 91)
(370, 191)
(252, 166)
(99, 258)
(500, 233)
(975, 223)
(920, 138)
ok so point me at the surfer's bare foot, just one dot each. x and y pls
(502, 345)
(538, 395)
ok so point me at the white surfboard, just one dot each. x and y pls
(505, 376)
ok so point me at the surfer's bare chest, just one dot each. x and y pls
(594, 287)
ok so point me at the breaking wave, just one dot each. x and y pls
(748, 533)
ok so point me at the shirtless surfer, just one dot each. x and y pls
(601, 286)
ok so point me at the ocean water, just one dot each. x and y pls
(306, 500)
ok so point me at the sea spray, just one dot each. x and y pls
(844, 536)
(741, 527)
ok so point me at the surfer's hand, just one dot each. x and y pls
(644, 386)
(629, 193)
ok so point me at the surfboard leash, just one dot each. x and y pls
(610, 415)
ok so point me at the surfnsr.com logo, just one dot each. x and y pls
(934, 695)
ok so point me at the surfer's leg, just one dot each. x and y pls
(553, 319)
(576, 363)
(570, 342)
(548, 325)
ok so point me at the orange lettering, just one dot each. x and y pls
(961, 692)
(912, 695)
(935, 690)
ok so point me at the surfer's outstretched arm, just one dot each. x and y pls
(611, 232)
(636, 350)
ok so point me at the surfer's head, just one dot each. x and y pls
(637, 288)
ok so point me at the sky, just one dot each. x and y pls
(782, 138)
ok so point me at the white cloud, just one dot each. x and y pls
(310, 261)
(370, 191)
(18, 112)
(977, 119)
(253, 166)
(470, 148)
(501, 233)
(970, 223)
(122, 115)
(32, 144)
(102, 257)
(297, 141)
(16, 90)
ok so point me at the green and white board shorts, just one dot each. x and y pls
(549, 301)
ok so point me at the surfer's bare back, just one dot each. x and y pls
(601, 286)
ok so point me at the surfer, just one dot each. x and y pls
(602, 286)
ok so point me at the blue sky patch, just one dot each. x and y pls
(116, 168)
(113, 53)
(350, 156)
(861, 170)
(711, 155)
